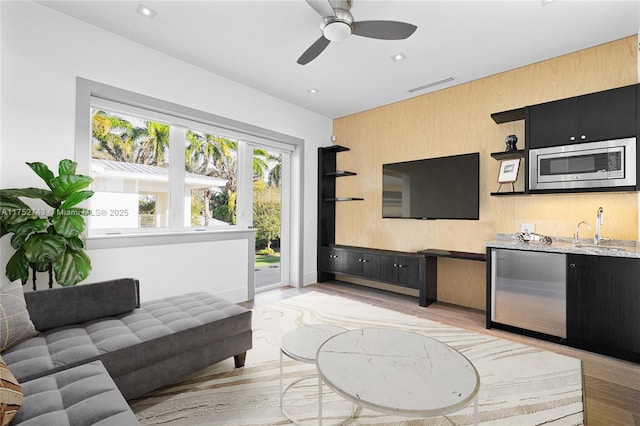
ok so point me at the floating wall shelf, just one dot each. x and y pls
(508, 116)
(508, 155)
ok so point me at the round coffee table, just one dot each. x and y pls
(398, 372)
(301, 344)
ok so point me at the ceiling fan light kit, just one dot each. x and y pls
(338, 24)
(335, 29)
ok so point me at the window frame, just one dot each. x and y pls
(90, 93)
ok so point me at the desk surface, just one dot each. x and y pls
(454, 254)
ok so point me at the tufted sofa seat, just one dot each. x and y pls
(142, 346)
(81, 395)
(181, 332)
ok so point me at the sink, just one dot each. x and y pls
(595, 247)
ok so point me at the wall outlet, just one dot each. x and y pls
(527, 228)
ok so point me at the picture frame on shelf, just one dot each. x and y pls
(508, 172)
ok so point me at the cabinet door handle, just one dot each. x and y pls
(401, 266)
(364, 260)
(572, 265)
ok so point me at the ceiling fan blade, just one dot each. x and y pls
(385, 30)
(312, 52)
(323, 7)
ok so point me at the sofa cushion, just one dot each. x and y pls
(83, 395)
(15, 322)
(157, 330)
(10, 394)
(83, 302)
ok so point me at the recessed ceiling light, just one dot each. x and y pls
(313, 91)
(546, 2)
(145, 11)
(399, 57)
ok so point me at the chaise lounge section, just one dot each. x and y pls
(82, 395)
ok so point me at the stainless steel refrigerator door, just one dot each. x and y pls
(529, 290)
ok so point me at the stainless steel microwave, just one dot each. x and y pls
(604, 164)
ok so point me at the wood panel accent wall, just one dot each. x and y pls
(457, 120)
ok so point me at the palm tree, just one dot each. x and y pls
(153, 145)
(261, 160)
(199, 154)
(116, 138)
(111, 137)
(260, 165)
(211, 155)
(275, 174)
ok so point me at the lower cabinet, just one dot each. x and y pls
(603, 305)
(391, 267)
(363, 264)
(602, 299)
(332, 260)
(406, 271)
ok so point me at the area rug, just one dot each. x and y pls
(520, 385)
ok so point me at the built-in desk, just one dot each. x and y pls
(429, 287)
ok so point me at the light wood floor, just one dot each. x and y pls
(611, 386)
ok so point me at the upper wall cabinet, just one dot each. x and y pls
(610, 114)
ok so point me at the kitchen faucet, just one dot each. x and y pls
(597, 238)
(576, 238)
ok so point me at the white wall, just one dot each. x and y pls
(143, 264)
(44, 51)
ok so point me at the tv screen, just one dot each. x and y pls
(432, 188)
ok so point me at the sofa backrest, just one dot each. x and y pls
(57, 307)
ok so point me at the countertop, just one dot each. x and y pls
(613, 248)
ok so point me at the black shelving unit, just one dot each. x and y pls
(327, 174)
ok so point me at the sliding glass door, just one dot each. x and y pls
(270, 208)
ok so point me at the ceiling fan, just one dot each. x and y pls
(338, 24)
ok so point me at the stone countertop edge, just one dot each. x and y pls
(613, 248)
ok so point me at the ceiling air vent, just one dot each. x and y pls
(435, 83)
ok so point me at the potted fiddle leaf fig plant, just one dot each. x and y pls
(48, 239)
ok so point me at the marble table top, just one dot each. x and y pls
(397, 372)
(303, 342)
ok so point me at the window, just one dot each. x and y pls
(130, 159)
(130, 164)
(161, 168)
(155, 172)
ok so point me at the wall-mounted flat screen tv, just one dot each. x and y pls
(432, 188)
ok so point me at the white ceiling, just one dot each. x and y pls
(258, 42)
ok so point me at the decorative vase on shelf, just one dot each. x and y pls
(511, 143)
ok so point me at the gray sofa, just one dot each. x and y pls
(103, 330)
